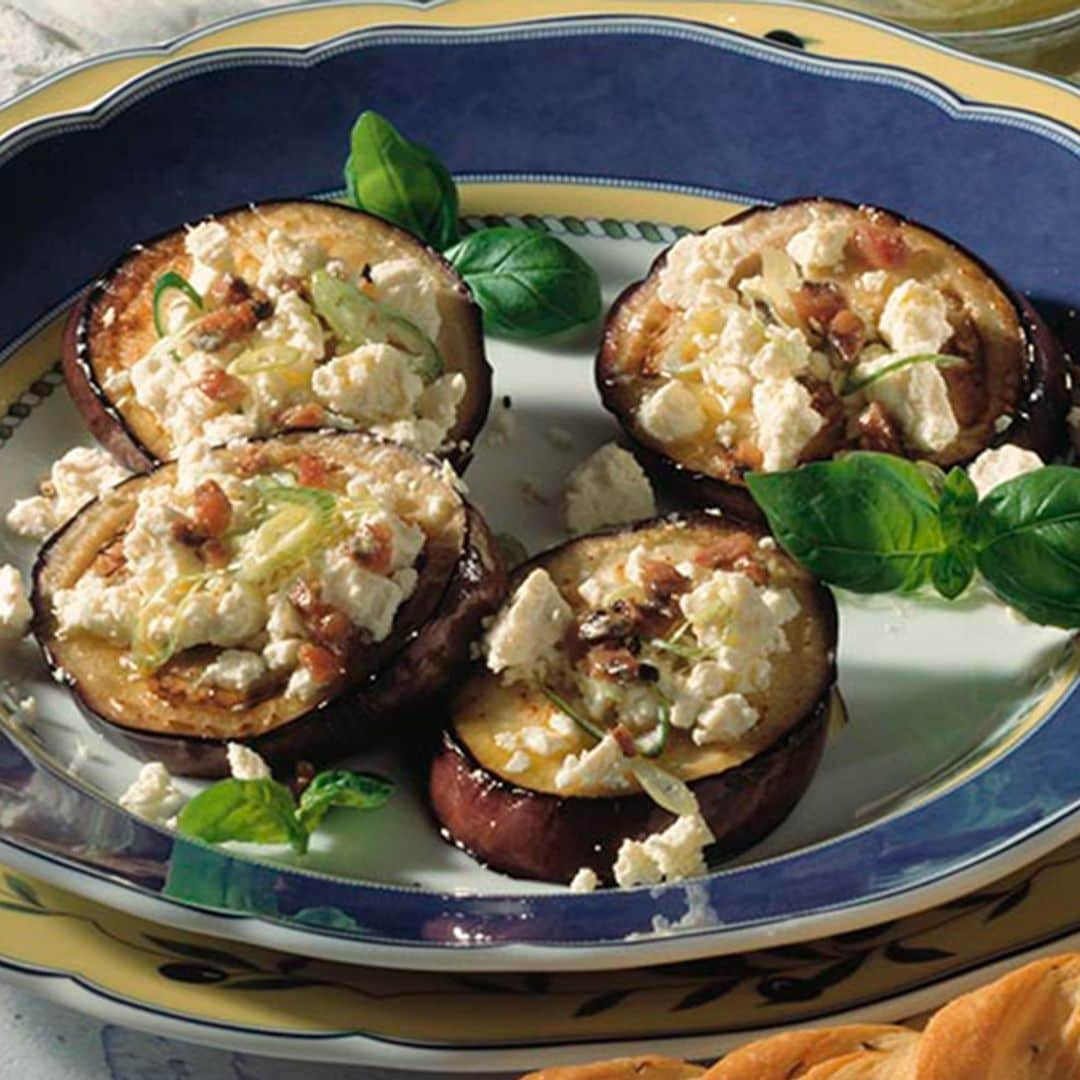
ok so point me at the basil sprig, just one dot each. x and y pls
(877, 523)
(528, 284)
(401, 181)
(264, 811)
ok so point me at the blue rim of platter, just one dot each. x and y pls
(926, 139)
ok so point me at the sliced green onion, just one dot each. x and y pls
(664, 788)
(171, 600)
(854, 385)
(172, 280)
(586, 725)
(356, 319)
(687, 652)
(303, 520)
(261, 359)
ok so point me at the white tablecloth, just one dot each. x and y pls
(38, 1040)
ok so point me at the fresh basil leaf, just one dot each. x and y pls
(339, 787)
(1027, 539)
(952, 571)
(255, 811)
(865, 521)
(527, 283)
(401, 181)
(957, 499)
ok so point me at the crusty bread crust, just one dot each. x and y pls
(1025, 1026)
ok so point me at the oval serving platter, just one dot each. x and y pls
(955, 768)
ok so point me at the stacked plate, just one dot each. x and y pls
(934, 844)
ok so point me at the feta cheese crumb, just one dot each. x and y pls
(153, 795)
(672, 855)
(820, 246)
(245, 764)
(208, 243)
(1001, 463)
(585, 880)
(671, 413)
(524, 635)
(700, 265)
(79, 476)
(518, 762)
(786, 421)
(235, 669)
(724, 720)
(607, 488)
(915, 319)
(918, 398)
(602, 766)
(15, 610)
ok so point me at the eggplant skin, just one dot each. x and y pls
(531, 834)
(112, 429)
(546, 837)
(359, 717)
(1039, 420)
(428, 659)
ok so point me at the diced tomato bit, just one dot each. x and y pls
(880, 246)
(251, 460)
(227, 324)
(726, 551)
(662, 581)
(321, 662)
(218, 385)
(215, 554)
(310, 414)
(847, 332)
(229, 290)
(213, 511)
(376, 550)
(614, 663)
(312, 470)
(328, 625)
(184, 531)
(817, 304)
(753, 570)
(878, 430)
(625, 740)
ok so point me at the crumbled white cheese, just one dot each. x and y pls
(153, 795)
(784, 355)
(94, 606)
(517, 762)
(820, 246)
(15, 610)
(370, 384)
(585, 880)
(288, 257)
(541, 740)
(235, 669)
(79, 476)
(915, 319)
(724, 720)
(671, 413)
(302, 685)
(602, 766)
(672, 855)
(225, 613)
(208, 243)
(874, 281)
(917, 397)
(281, 655)
(699, 265)
(370, 600)
(294, 323)
(562, 724)
(409, 291)
(608, 488)
(786, 421)
(1001, 463)
(524, 635)
(245, 763)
